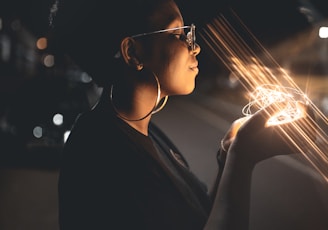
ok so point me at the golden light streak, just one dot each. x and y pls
(266, 85)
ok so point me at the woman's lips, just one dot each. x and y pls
(194, 67)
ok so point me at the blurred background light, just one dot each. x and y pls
(66, 134)
(323, 32)
(37, 132)
(42, 43)
(49, 60)
(58, 119)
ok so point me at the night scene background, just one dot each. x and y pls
(41, 95)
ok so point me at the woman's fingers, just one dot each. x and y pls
(259, 120)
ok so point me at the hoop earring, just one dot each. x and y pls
(155, 108)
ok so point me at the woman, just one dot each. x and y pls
(119, 171)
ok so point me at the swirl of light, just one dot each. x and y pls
(265, 95)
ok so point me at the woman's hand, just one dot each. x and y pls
(231, 133)
(258, 141)
(252, 140)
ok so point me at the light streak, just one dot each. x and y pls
(248, 61)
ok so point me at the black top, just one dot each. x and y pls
(114, 177)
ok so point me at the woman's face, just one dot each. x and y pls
(169, 57)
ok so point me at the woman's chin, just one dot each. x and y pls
(189, 91)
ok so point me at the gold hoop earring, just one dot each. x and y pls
(154, 110)
(159, 108)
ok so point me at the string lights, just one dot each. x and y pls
(265, 95)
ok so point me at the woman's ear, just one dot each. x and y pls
(128, 51)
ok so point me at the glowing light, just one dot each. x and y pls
(269, 85)
(58, 119)
(85, 77)
(323, 32)
(37, 132)
(42, 43)
(49, 60)
(267, 94)
(66, 135)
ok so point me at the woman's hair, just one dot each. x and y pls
(90, 32)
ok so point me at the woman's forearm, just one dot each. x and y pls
(231, 205)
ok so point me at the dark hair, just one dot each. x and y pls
(90, 32)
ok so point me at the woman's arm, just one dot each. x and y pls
(254, 142)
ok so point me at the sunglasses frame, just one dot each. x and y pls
(190, 36)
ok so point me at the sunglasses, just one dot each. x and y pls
(189, 35)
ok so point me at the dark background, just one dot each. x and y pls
(30, 94)
(266, 19)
